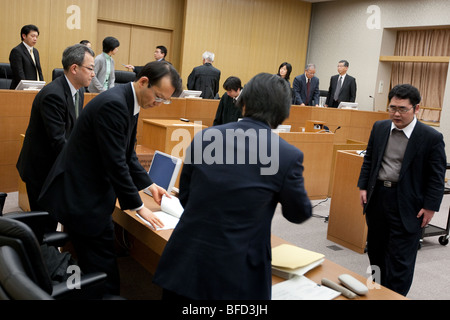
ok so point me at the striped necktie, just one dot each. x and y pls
(35, 65)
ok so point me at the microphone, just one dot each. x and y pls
(337, 129)
(373, 102)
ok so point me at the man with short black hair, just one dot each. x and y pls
(342, 87)
(227, 111)
(99, 166)
(24, 58)
(401, 187)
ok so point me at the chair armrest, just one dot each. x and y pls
(55, 239)
(91, 287)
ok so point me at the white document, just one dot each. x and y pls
(287, 273)
(171, 211)
(302, 288)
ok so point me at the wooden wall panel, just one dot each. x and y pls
(144, 41)
(51, 18)
(247, 36)
(117, 30)
(158, 15)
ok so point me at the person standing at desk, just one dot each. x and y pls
(401, 187)
(220, 248)
(342, 87)
(99, 165)
(53, 114)
(24, 59)
(205, 78)
(227, 111)
(105, 77)
(306, 88)
(159, 54)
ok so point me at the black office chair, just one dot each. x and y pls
(2, 201)
(5, 75)
(124, 76)
(36, 221)
(14, 281)
(21, 238)
(57, 72)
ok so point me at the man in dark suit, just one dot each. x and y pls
(342, 87)
(99, 165)
(159, 54)
(306, 88)
(24, 59)
(205, 78)
(220, 248)
(52, 119)
(401, 187)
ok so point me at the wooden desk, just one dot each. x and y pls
(147, 247)
(346, 222)
(317, 150)
(169, 136)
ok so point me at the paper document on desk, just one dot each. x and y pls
(289, 260)
(171, 211)
(302, 288)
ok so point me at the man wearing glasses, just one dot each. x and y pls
(53, 115)
(401, 187)
(99, 165)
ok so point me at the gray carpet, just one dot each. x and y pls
(431, 279)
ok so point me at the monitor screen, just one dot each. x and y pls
(348, 105)
(164, 170)
(30, 85)
(190, 94)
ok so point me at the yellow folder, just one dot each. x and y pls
(293, 257)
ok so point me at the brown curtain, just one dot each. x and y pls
(429, 78)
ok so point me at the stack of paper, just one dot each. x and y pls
(289, 260)
(171, 211)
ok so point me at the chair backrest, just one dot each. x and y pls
(15, 284)
(57, 72)
(21, 238)
(124, 76)
(2, 201)
(5, 75)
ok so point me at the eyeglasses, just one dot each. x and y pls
(401, 110)
(89, 68)
(160, 100)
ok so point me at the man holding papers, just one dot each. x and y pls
(98, 165)
(233, 178)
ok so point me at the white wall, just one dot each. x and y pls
(339, 31)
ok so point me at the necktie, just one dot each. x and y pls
(32, 57)
(77, 104)
(338, 89)
(308, 86)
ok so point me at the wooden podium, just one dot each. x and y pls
(346, 222)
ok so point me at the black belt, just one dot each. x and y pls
(388, 184)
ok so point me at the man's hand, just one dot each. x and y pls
(158, 192)
(363, 197)
(148, 215)
(427, 216)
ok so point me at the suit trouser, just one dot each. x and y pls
(98, 254)
(389, 245)
(33, 191)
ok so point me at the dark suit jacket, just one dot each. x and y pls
(51, 122)
(347, 93)
(97, 166)
(22, 65)
(227, 111)
(421, 181)
(205, 78)
(300, 91)
(221, 248)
